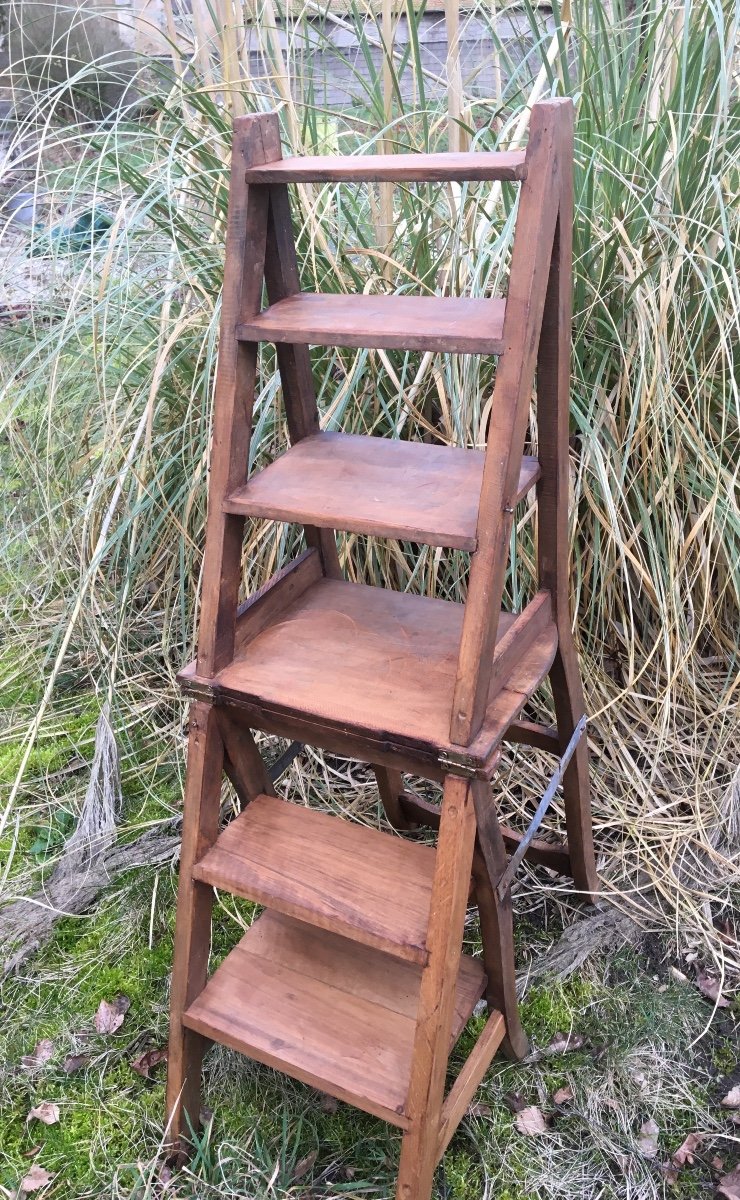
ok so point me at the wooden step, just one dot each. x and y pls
(341, 663)
(393, 168)
(334, 1014)
(332, 873)
(381, 486)
(452, 324)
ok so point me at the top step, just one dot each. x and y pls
(392, 168)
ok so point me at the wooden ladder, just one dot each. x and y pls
(352, 979)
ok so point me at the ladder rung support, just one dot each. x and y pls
(441, 324)
(393, 168)
(467, 1082)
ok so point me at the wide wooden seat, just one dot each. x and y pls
(343, 656)
(327, 1011)
(385, 487)
(337, 875)
(455, 324)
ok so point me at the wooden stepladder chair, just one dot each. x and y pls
(353, 979)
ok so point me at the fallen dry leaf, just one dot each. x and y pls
(709, 987)
(46, 1111)
(36, 1178)
(717, 1163)
(328, 1104)
(732, 1099)
(74, 1062)
(42, 1052)
(145, 1063)
(304, 1166)
(563, 1043)
(531, 1121)
(563, 1095)
(687, 1149)
(478, 1110)
(728, 1187)
(110, 1014)
(648, 1139)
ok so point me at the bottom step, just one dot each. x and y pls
(328, 1011)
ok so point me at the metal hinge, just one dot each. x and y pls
(459, 764)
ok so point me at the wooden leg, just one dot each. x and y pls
(243, 763)
(193, 927)
(567, 691)
(496, 921)
(420, 1146)
(390, 786)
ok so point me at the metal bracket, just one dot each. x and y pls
(458, 764)
(507, 875)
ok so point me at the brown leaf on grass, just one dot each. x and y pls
(303, 1166)
(709, 987)
(110, 1014)
(328, 1104)
(145, 1063)
(75, 1062)
(717, 1163)
(732, 1099)
(687, 1150)
(478, 1110)
(563, 1043)
(531, 1121)
(42, 1052)
(563, 1095)
(514, 1102)
(648, 1139)
(728, 1187)
(46, 1111)
(36, 1178)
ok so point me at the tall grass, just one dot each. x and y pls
(107, 386)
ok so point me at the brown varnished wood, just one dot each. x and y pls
(538, 206)
(268, 603)
(390, 790)
(467, 1082)
(334, 1014)
(392, 168)
(436, 997)
(334, 874)
(377, 662)
(294, 363)
(384, 487)
(243, 763)
(553, 421)
(531, 733)
(496, 920)
(418, 811)
(234, 395)
(193, 927)
(452, 324)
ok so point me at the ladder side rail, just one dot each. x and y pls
(294, 361)
(553, 549)
(531, 254)
(246, 237)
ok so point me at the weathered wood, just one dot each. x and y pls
(334, 1014)
(294, 363)
(193, 927)
(553, 423)
(387, 488)
(496, 921)
(434, 1020)
(367, 885)
(394, 168)
(234, 396)
(468, 1081)
(533, 239)
(374, 665)
(452, 324)
(266, 606)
